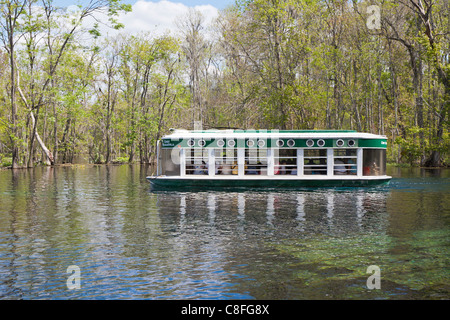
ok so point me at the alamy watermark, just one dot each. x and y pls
(374, 281)
(74, 280)
(373, 21)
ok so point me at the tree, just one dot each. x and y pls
(411, 24)
(435, 38)
(20, 22)
(66, 89)
(11, 10)
(193, 46)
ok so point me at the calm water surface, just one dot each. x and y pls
(134, 243)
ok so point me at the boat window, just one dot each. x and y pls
(374, 162)
(255, 161)
(344, 162)
(315, 161)
(226, 161)
(285, 161)
(197, 161)
(170, 161)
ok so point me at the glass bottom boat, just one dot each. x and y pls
(270, 159)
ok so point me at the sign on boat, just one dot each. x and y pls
(270, 158)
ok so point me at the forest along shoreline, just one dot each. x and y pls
(81, 165)
(260, 64)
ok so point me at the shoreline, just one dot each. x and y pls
(77, 165)
(396, 165)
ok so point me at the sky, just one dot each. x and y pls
(219, 4)
(158, 16)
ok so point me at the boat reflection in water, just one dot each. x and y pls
(282, 213)
(238, 240)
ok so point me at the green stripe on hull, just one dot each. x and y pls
(249, 183)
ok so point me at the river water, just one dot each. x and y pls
(130, 242)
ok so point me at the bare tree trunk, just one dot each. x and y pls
(12, 13)
(14, 148)
(48, 153)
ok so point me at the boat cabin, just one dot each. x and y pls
(271, 158)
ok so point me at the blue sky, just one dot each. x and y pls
(219, 4)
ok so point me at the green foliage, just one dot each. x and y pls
(5, 162)
(268, 64)
(411, 149)
(120, 160)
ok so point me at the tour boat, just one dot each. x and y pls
(270, 159)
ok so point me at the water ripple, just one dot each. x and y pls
(132, 243)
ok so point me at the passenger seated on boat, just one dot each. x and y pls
(280, 168)
(251, 169)
(200, 169)
(366, 170)
(226, 169)
(262, 168)
(234, 168)
(339, 167)
(352, 167)
(322, 168)
(309, 170)
(283, 167)
(219, 168)
(276, 170)
(291, 166)
(374, 169)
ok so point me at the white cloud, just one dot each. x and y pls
(159, 17)
(146, 16)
